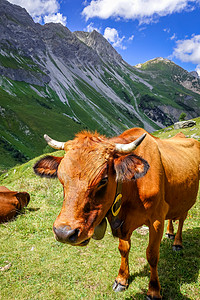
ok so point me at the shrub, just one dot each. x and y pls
(182, 116)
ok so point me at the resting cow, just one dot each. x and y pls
(132, 179)
(11, 203)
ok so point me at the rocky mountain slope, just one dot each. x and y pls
(57, 82)
(174, 89)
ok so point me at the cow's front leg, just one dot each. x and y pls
(152, 252)
(121, 282)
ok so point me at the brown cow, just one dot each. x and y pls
(11, 203)
(111, 178)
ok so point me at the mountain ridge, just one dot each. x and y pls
(190, 76)
(98, 43)
(79, 81)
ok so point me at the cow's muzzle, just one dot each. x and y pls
(65, 234)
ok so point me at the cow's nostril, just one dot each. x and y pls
(66, 234)
(73, 235)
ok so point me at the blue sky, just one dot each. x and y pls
(139, 30)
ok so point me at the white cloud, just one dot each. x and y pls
(188, 50)
(42, 9)
(38, 19)
(198, 69)
(143, 10)
(166, 30)
(55, 18)
(131, 37)
(173, 37)
(111, 34)
(90, 27)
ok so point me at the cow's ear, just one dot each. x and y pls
(130, 167)
(47, 166)
(23, 199)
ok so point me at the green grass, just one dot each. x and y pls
(17, 62)
(170, 131)
(43, 268)
(25, 118)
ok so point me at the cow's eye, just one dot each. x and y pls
(103, 182)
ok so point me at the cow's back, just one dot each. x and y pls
(4, 189)
(174, 169)
(181, 162)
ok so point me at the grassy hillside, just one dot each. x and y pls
(25, 118)
(42, 268)
(174, 89)
(27, 112)
(110, 101)
(189, 132)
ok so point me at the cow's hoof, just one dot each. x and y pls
(170, 236)
(118, 287)
(152, 298)
(177, 247)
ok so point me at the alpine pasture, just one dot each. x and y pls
(35, 266)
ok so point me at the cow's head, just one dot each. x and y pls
(89, 173)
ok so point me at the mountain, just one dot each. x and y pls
(194, 74)
(59, 82)
(174, 89)
(98, 43)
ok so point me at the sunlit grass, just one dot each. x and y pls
(42, 268)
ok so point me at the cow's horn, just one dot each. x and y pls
(127, 148)
(54, 144)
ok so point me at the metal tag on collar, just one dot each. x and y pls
(117, 202)
(116, 205)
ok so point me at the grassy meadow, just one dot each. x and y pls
(42, 268)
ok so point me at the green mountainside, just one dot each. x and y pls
(174, 89)
(57, 82)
